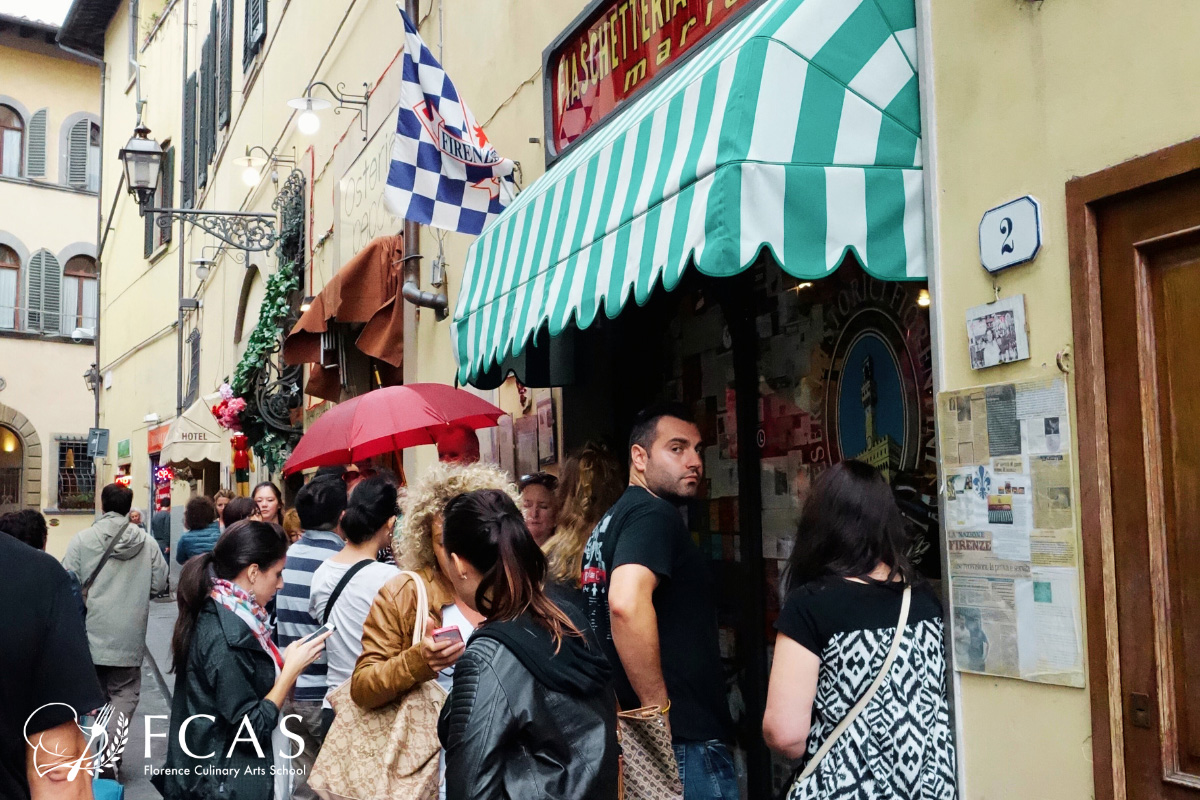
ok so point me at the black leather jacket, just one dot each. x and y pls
(525, 723)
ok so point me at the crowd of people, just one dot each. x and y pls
(504, 632)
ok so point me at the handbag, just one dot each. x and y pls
(385, 753)
(865, 700)
(648, 769)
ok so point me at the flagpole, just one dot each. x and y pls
(412, 230)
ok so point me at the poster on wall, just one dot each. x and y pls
(996, 333)
(547, 449)
(1010, 531)
(525, 430)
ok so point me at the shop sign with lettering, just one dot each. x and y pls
(363, 213)
(614, 50)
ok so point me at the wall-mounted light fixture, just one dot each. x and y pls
(142, 157)
(252, 165)
(923, 299)
(306, 303)
(205, 263)
(308, 106)
(92, 378)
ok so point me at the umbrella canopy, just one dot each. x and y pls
(388, 419)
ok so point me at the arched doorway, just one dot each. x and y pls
(12, 464)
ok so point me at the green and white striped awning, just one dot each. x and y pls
(797, 130)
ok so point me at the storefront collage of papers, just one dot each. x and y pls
(1011, 538)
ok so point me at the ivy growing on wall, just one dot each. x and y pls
(260, 377)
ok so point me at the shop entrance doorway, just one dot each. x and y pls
(1135, 243)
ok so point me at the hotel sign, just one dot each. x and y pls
(614, 50)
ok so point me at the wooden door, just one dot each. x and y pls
(1144, 279)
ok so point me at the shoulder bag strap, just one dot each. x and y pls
(831, 740)
(337, 590)
(422, 608)
(108, 551)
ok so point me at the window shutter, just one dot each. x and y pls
(44, 292)
(77, 153)
(205, 96)
(148, 242)
(211, 85)
(256, 31)
(168, 188)
(33, 291)
(194, 371)
(187, 182)
(35, 158)
(225, 64)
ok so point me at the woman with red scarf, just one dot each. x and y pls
(231, 679)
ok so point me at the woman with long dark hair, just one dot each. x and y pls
(860, 642)
(532, 712)
(231, 679)
(270, 502)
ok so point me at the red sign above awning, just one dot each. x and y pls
(616, 51)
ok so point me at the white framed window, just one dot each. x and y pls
(10, 281)
(80, 297)
(12, 142)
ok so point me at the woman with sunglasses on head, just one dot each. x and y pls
(532, 712)
(859, 624)
(270, 502)
(539, 504)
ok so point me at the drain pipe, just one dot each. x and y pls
(411, 289)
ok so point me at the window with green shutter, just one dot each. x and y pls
(193, 390)
(255, 31)
(79, 142)
(164, 197)
(35, 156)
(187, 182)
(225, 65)
(43, 292)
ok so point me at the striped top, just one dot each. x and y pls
(291, 605)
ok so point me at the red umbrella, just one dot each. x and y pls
(385, 420)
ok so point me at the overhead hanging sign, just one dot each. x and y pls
(1010, 234)
(614, 50)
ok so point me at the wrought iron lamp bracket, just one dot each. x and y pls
(343, 100)
(244, 230)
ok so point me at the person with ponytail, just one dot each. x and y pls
(345, 585)
(591, 483)
(532, 712)
(231, 679)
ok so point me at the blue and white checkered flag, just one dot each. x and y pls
(444, 171)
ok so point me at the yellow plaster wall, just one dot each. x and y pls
(1025, 96)
(44, 378)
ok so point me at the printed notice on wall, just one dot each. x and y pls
(1010, 531)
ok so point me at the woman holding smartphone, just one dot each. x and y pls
(533, 712)
(232, 680)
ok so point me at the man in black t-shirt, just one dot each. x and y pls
(649, 595)
(44, 660)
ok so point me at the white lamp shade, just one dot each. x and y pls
(309, 123)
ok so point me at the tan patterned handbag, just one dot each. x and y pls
(648, 767)
(386, 753)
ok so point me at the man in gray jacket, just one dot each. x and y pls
(118, 601)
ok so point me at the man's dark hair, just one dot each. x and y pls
(165, 503)
(320, 504)
(116, 498)
(239, 508)
(327, 473)
(200, 512)
(645, 424)
(27, 525)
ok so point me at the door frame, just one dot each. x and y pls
(1095, 491)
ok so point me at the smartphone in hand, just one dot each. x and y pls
(450, 633)
(328, 627)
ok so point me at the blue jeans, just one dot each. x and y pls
(706, 769)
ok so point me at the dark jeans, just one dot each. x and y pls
(706, 769)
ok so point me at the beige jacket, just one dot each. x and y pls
(389, 665)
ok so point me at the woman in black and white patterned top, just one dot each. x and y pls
(845, 582)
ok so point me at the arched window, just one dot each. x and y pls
(80, 296)
(12, 142)
(10, 279)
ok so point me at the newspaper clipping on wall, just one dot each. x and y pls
(1010, 531)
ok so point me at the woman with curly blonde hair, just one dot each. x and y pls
(390, 665)
(590, 483)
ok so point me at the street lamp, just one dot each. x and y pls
(142, 157)
(203, 267)
(309, 123)
(92, 378)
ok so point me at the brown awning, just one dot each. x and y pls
(365, 290)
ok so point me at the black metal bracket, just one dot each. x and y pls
(343, 100)
(245, 230)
